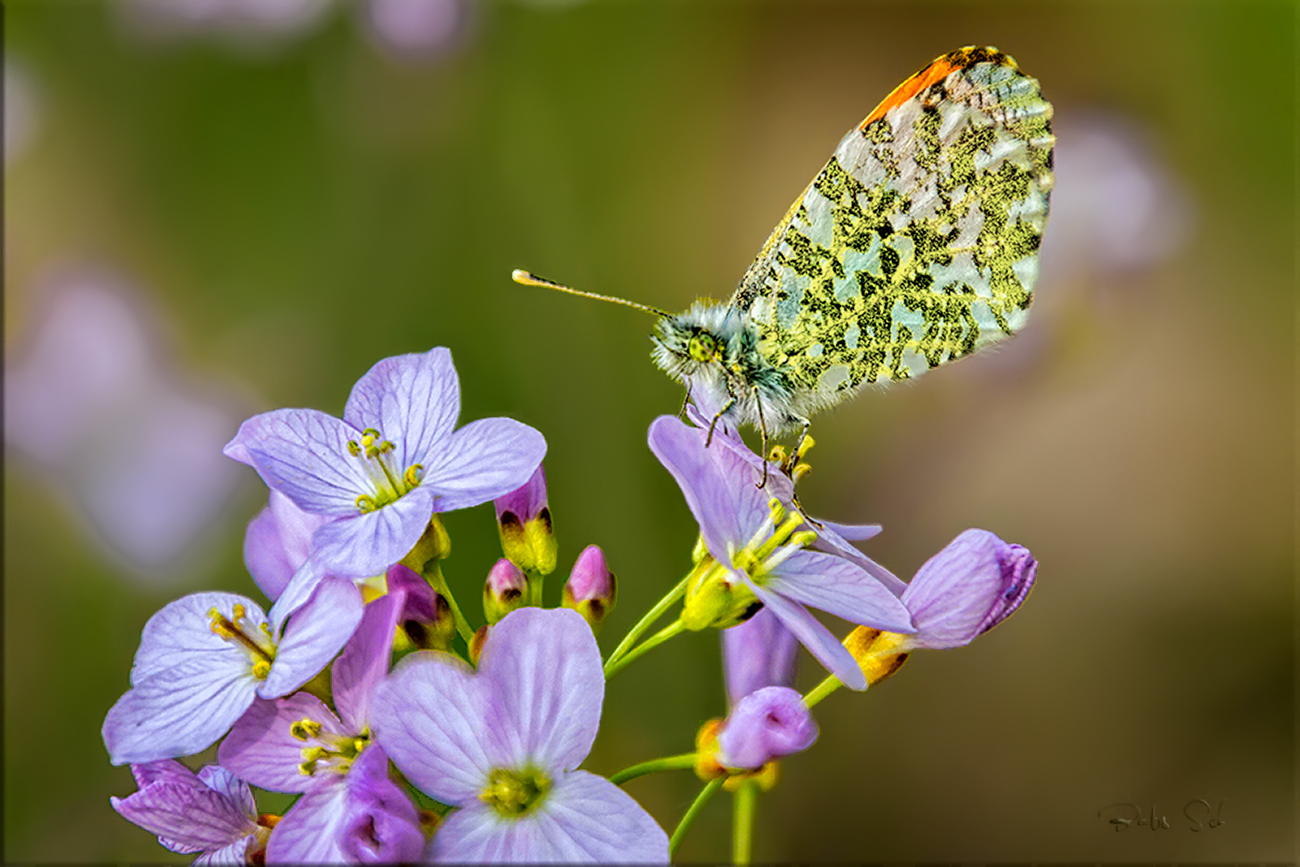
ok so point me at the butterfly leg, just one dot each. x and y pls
(799, 447)
(681, 413)
(762, 431)
(793, 464)
(713, 424)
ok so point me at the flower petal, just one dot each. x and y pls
(974, 583)
(220, 780)
(260, 748)
(482, 461)
(757, 653)
(841, 588)
(412, 400)
(824, 647)
(179, 711)
(234, 855)
(368, 544)
(314, 634)
(193, 816)
(182, 631)
(278, 541)
(364, 661)
(546, 686)
(304, 454)
(725, 509)
(431, 717)
(766, 724)
(836, 538)
(585, 819)
(362, 817)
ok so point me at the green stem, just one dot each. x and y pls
(670, 763)
(436, 580)
(742, 825)
(821, 690)
(614, 667)
(698, 804)
(648, 620)
(534, 584)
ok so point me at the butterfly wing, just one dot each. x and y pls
(917, 243)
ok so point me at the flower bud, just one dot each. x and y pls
(765, 725)
(476, 644)
(591, 589)
(524, 519)
(503, 591)
(426, 617)
(878, 653)
(969, 587)
(434, 545)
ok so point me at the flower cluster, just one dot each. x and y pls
(407, 734)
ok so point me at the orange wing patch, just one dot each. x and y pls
(937, 71)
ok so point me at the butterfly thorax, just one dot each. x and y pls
(716, 351)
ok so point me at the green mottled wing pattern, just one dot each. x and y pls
(917, 244)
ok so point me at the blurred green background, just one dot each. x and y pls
(289, 207)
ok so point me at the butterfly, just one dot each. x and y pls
(915, 245)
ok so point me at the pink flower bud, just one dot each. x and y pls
(524, 519)
(765, 725)
(591, 589)
(504, 590)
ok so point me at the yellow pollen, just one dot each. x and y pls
(305, 729)
(261, 669)
(799, 471)
(307, 769)
(804, 446)
(366, 503)
(312, 754)
(239, 613)
(803, 539)
(354, 449)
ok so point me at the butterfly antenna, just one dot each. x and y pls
(528, 279)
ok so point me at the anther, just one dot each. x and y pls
(354, 449)
(799, 471)
(366, 503)
(261, 669)
(305, 729)
(413, 475)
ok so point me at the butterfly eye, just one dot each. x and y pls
(703, 347)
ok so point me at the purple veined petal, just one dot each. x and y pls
(412, 400)
(836, 586)
(364, 660)
(382, 826)
(585, 819)
(278, 542)
(261, 750)
(965, 589)
(313, 635)
(234, 855)
(161, 771)
(296, 593)
(220, 780)
(192, 816)
(831, 541)
(180, 710)
(545, 678)
(766, 724)
(853, 532)
(182, 630)
(368, 544)
(308, 833)
(482, 461)
(824, 647)
(712, 500)
(303, 454)
(757, 653)
(431, 715)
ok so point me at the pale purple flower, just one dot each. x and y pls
(94, 402)
(417, 30)
(205, 658)
(212, 813)
(969, 587)
(766, 724)
(502, 744)
(394, 459)
(757, 653)
(735, 518)
(350, 810)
